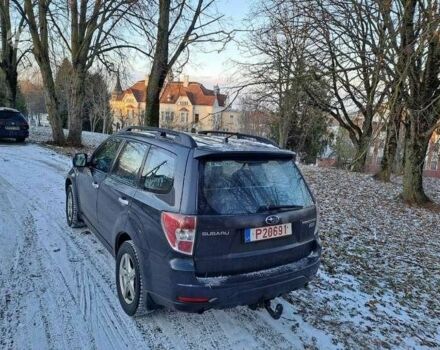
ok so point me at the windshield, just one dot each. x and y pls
(249, 187)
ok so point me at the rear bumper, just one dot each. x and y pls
(230, 291)
(5, 134)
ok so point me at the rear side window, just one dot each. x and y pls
(158, 173)
(249, 187)
(129, 162)
(104, 156)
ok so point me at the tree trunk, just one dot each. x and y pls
(52, 104)
(159, 70)
(415, 153)
(390, 148)
(76, 109)
(104, 125)
(284, 129)
(358, 163)
(8, 54)
(11, 78)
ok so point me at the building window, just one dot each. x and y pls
(196, 118)
(434, 165)
(232, 117)
(184, 117)
(184, 103)
(169, 116)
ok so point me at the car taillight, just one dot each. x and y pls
(180, 231)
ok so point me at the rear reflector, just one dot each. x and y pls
(192, 300)
(180, 231)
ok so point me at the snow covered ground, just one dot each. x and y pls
(378, 286)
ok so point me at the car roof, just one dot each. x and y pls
(206, 142)
(7, 109)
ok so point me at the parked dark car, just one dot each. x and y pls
(196, 221)
(13, 125)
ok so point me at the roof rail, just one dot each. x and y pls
(179, 137)
(239, 136)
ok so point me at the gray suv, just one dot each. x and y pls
(197, 221)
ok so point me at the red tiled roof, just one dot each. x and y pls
(196, 93)
(138, 91)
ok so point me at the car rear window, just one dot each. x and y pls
(9, 115)
(250, 186)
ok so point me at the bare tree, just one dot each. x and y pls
(97, 103)
(352, 40)
(92, 31)
(278, 69)
(394, 65)
(10, 54)
(36, 14)
(179, 25)
(418, 24)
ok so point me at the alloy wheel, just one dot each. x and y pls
(127, 278)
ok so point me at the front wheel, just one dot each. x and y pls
(132, 294)
(72, 211)
(20, 139)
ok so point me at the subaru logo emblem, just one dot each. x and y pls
(272, 220)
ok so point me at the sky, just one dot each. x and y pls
(210, 68)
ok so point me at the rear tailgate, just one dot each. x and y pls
(12, 121)
(238, 195)
(221, 247)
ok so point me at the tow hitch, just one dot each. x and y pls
(275, 314)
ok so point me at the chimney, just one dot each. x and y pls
(185, 80)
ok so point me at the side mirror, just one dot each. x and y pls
(80, 160)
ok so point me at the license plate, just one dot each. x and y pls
(15, 128)
(267, 232)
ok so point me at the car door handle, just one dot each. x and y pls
(123, 201)
(95, 185)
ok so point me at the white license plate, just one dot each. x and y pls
(15, 128)
(267, 232)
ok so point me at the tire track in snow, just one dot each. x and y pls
(106, 323)
(37, 304)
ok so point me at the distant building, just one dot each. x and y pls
(184, 105)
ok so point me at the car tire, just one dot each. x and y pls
(135, 301)
(20, 139)
(72, 210)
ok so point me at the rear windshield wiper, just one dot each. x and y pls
(275, 207)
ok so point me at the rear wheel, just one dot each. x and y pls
(72, 212)
(20, 139)
(132, 295)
